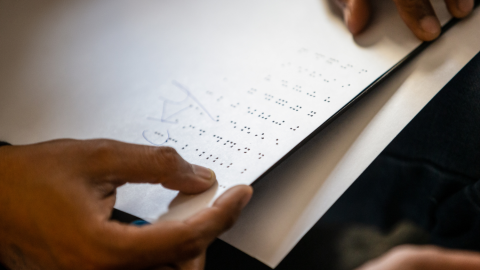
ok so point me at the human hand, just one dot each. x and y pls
(417, 14)
(56, 199)
(424, 258)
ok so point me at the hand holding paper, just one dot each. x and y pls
(417, 14)
(57, 198)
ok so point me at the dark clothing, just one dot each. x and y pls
(430, 173)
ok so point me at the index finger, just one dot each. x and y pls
(118, 162)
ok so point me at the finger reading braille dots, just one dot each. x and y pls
(289, 102)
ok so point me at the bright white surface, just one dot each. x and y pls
(294, 196)
(89, 69)
(232, 85)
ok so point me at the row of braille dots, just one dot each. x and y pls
(362, 71)
(293, 129)
(158, 134)
(346, 66)
(201, 131)
(171, 140)
(344, 85)
(213, 158)
(278, 122)
(314, 74)
(268, 97)
(209, 93)
(296, 108)
(218, 138)
(246, 150)
(333, 60)
(281, 102)
(327, 100)
(246, 129)
(230, 143)
(262, 115)
(312, 113)
(220, 98)
(234, 105)
(312, 95)
(268, 77)
(319, 56)
(284, 83)
(252, 90)
(302, 69)
(260, 155)
(189, 126)
(297, 88)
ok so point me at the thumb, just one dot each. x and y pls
(356, 14)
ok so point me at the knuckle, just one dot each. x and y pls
(167, 157)
(193, 244)
(102, 148)
(229, 218)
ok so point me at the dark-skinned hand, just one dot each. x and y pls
(418, 15)
(424, 258)
(56, 199)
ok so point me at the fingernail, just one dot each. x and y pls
(430, 25)
(465, 6)
(204, 173)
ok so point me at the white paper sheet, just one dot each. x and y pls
(145, 71)
(295, 195)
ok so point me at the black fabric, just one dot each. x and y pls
(4, 143)
(430, 173)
